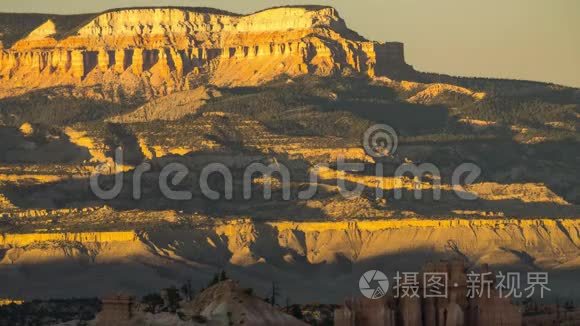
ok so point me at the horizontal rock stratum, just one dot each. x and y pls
(156, 51)
(326, 258)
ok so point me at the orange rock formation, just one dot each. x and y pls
(456, 309)
(117, 310)
(170, 49)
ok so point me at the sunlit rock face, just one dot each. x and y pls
(156, 51)
(325, 258)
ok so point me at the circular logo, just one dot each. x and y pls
(380, 140)
(373, 284)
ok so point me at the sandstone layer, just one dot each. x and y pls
(325, 258)
(156, 51)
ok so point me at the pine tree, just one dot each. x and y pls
(215, 280)
(187, 290)
(223, 276)
(275, 293)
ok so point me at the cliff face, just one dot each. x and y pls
(325, 258)
(161, 50)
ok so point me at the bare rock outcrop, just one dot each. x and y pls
(297, 248)
(152, 52)
(226, 303)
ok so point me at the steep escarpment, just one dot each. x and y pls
(326, 258)
(156, 51)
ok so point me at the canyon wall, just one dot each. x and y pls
(311, 261)
(170, 49)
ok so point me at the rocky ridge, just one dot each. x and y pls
(257, 253)
(156, 51)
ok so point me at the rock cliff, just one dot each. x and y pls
(156, 51)
(325, 258)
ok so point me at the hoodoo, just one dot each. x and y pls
(171, 49)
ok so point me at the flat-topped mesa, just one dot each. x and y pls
(177, 45)
(181, 28)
